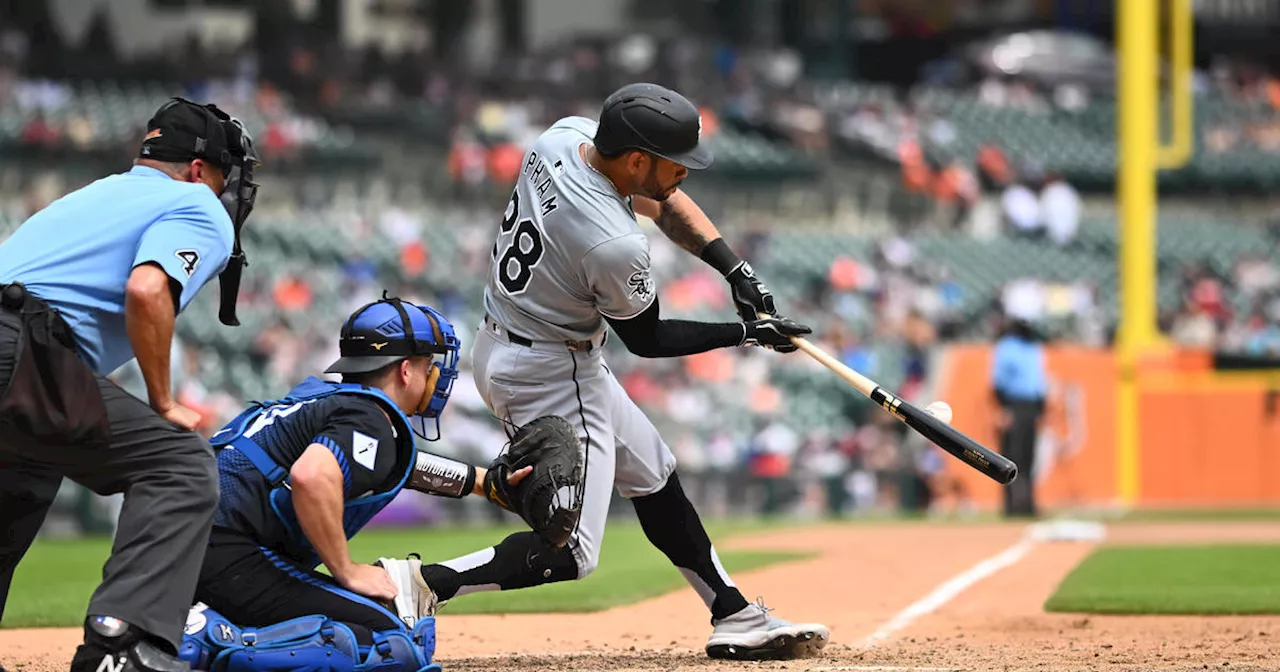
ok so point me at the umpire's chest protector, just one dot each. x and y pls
(356, 512)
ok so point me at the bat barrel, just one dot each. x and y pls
(995, 466)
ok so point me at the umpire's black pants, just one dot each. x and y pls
(254, 586)
(170, 485)
(1018, 443)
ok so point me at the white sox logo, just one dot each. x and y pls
(641, 284)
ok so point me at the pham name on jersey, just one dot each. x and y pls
(540, 176)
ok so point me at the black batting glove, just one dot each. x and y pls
(774, 333)
(750, 295)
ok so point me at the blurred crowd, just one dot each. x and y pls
(725, 414)
(1207, 316)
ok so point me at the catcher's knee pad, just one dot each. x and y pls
(309, 643)
(112, 645)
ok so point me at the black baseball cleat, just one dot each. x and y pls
(112, 645)
(752, 634)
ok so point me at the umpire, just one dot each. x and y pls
(1019, 380)
(96, 279)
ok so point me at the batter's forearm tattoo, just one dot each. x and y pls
(681, 228)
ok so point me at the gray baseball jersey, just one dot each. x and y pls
(569, 249)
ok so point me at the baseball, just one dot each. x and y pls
(940, 410)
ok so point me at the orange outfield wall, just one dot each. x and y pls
(1207, 438)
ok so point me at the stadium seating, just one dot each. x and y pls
(1082, 144)
(314, 251)
(108, 115)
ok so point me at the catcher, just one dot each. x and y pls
(301, 475)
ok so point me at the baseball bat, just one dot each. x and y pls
(995, 466)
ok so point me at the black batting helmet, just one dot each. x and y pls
(653, 119)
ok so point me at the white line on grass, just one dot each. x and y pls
(949, 590)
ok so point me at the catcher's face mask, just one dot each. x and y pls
(387, 331)
(238, 198)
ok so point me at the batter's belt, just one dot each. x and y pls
(587, 346)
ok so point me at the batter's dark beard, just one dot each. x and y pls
(653, 189)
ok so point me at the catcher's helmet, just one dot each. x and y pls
(656, 120)
(387, 331)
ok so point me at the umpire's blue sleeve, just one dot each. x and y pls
(191, 241)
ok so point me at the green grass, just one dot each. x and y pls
(53, 584)
(1226, 579)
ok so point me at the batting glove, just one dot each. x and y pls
(750, 295)
(774, 333)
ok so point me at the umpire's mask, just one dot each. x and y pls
(238, 198)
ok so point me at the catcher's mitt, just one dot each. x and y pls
(549, 444)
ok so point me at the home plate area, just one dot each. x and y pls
(908, 597)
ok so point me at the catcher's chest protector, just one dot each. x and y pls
(356, 512)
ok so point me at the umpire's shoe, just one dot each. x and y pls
(752, 634)
(414, 598)
(111, 645)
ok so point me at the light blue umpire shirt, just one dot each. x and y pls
(78, 252)
(1018, 369)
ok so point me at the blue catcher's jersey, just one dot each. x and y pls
(368, 435)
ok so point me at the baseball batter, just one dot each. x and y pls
(570, 257)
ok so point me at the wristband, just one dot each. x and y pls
(718, 255)
(442, 476)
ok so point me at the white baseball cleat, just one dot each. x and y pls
(414, 598)
(752, 634)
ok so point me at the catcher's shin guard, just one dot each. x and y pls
(111, 645)
(309, 643)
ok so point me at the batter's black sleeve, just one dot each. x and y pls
(361, 438)
(647, 335)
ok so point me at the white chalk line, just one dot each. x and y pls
(949, 590)
(885, 668)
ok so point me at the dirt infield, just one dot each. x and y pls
(859, 585)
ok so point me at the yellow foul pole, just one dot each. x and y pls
(1137, 122)
(1139, 155)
